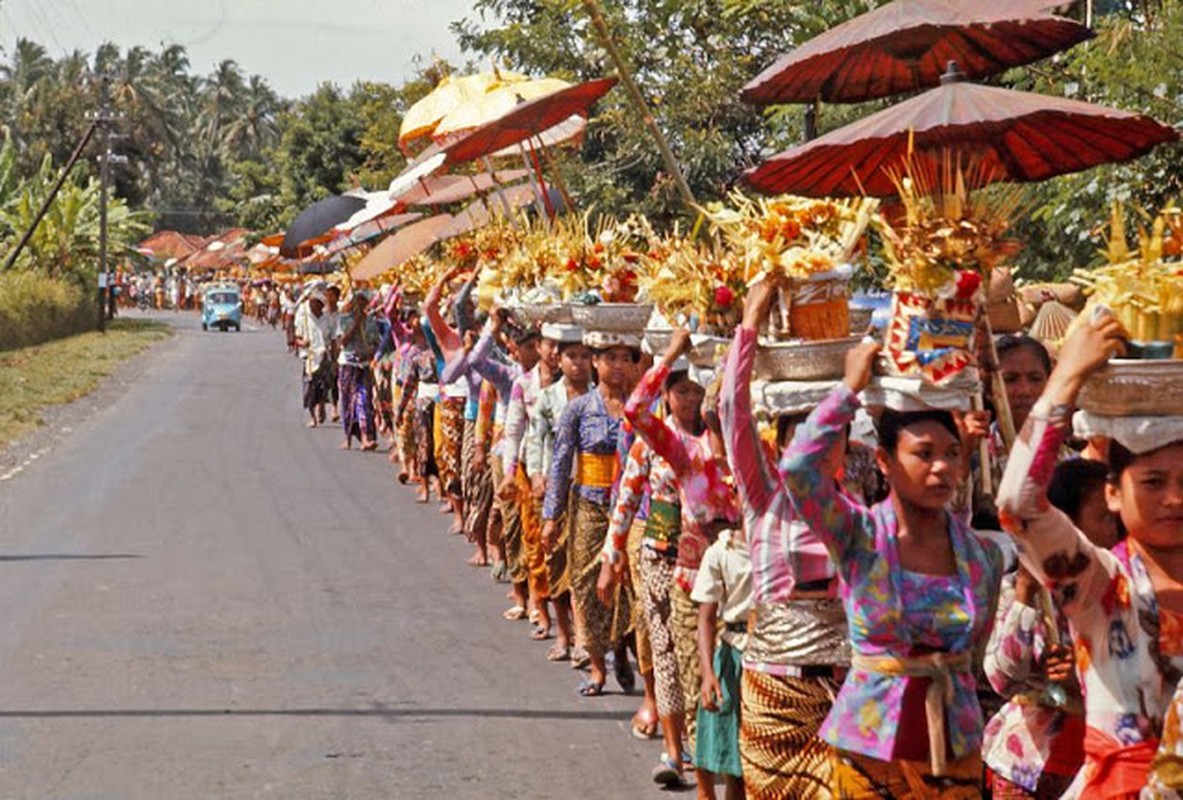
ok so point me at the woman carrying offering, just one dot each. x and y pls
(1124, 607)
(797, 648)
(706, 506)
(1035, 745)
(585, 466)
(919, 588)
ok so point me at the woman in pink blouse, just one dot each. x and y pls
(1125, 607)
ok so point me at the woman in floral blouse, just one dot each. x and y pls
(1125, 607)
(919, 588)
(1035, 745)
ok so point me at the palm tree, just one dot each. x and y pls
(251, 132)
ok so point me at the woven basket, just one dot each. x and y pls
(612, 317)
(1128, 388)
(803, 361)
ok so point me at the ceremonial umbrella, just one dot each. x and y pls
(402, 246)
(317, 219)
(1010, 136)
(442, 190)
(527, 120)
(905, 45)
(450, 94)
(494, 104)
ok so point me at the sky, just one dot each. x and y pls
(294, 44)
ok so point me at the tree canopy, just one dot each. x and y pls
(208, 151)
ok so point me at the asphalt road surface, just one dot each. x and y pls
(203, 599)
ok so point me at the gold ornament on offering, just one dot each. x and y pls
(1143, 287)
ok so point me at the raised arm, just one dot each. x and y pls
(1050, 546)
(745, 452)
(639, 409)
(832, 516)
(447, 336)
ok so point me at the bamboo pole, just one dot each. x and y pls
(638, 100)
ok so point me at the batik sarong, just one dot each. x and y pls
(657, 576)
(779, 747)
(451, 411)
(636, 536)
(684, 629)
(478, 490)
(533, 556)
(598, 628)
(357, 409)
(858, 777)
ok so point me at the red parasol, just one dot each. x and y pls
(1013, 136)
(527, 120)
(905, 45)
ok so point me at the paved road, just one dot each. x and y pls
(204, 599)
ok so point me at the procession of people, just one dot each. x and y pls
(807, 602)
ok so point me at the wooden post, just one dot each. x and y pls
(638, 100)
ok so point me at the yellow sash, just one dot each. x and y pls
(595, 470)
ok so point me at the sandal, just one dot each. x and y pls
(559, 652)
(541, 634)
(667, 773)
(515, 613)
(499, 572)
(579, 658)
(591, 688)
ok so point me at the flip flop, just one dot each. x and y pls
(558, 652)
(591, 689)
(514, 613)
(579, 658)
(541, 634)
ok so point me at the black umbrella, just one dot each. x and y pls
(318, 218)
(317, 268)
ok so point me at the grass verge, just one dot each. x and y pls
(35, 378)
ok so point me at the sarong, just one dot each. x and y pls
(636, 535)
(598, 628)
(532, 553)
(384, 398)
(424, 437)
(448, 449)
(779, 747)
(684, 627)
(657, 576)
(405, 437)
(558, 573)
(718, 731)
(316, 386)
(858, 777)
(478, 491)
(510, 527)
(357, 409)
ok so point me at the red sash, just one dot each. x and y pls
(1115, 771)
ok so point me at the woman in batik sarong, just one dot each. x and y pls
(584, 472)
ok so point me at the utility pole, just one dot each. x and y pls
(104, 119)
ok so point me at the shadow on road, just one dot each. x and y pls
(67, 557)
(377, 712)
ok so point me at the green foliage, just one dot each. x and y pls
(36, 308)
(1134, 64)
(66, 242)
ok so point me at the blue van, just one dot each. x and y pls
(222, 308)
